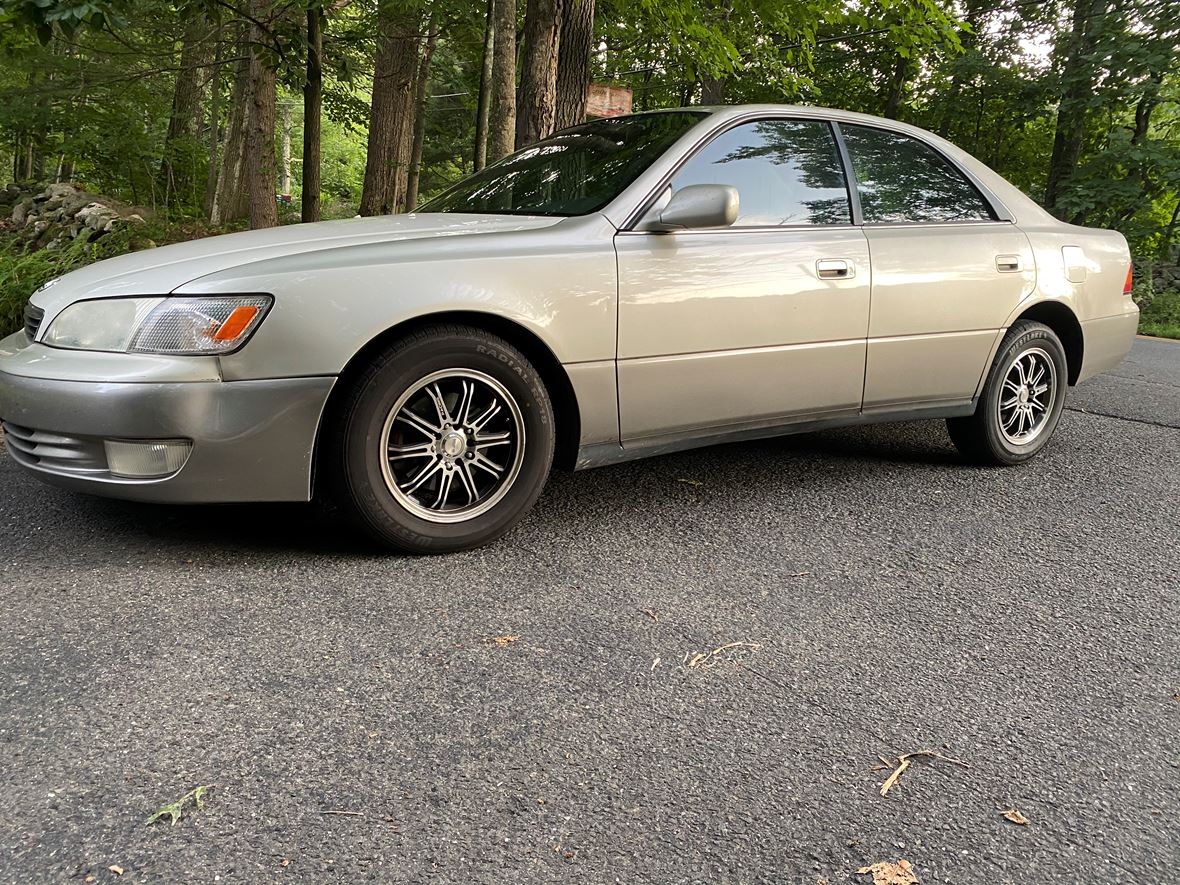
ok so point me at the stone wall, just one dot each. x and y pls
(1164, 275)
(53, 217)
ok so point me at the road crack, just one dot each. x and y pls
(1125, 418)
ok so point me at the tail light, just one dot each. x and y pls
(1127, 284)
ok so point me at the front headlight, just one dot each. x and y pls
(212, 324)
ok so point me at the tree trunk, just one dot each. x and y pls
(502, 134)
(537, 95)
(260, 134)
(229, 203)
(1146, 106)
(897, 85)
(313, 99)
(1078, 81)
(968, 37)
(285, 168)
(214, 133)
(483, 110)
(573, 62)
(180, 142)
(712, 90)
(414, 174)
(1169, 234)
(393, 84)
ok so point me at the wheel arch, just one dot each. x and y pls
(566, 414)
(1064, 322)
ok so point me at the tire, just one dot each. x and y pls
(997, 434)
(421, 403)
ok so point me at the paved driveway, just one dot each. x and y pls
(854, 594)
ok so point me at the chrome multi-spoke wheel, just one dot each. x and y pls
(443, 442)
(452, 445)
(1021, 400)
(1027, 396)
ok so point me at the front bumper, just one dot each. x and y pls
(251, 440)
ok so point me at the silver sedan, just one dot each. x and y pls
(626, 287)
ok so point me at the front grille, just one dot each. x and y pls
(33, 318)
(55, 452)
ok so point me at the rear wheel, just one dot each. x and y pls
(445, 442)
(1021, 401)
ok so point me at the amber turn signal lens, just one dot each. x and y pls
(1126, 285)
(236, 323)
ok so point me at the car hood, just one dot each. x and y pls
(160, 271)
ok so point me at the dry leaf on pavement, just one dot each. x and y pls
(1015, 816)
(504, 640)
(885, 872)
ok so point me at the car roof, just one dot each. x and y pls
(1013, 203)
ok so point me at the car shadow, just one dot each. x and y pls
(316, 529)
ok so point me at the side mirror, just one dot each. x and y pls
(698, 206)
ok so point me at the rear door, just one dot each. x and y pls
(753, 323)
(946, 272)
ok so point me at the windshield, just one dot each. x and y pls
(573, 172)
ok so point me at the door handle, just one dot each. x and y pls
(1008, 263)
(835, 269)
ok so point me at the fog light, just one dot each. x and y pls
(148, 457)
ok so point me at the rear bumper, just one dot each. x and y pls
(1106, 341)
(251, 440)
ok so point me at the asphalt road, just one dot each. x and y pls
(886, 599)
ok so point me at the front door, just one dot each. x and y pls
(753, 324)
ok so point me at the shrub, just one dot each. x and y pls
(23, 269)
(1159, 310)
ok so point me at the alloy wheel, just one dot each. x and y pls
(1026, 397)
(452, 445)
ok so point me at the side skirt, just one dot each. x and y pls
(604, 454)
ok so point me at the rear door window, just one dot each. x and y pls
(900, 179)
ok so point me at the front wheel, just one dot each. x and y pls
(1021, 401)
(445, 442)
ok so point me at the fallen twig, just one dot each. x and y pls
(702, 657)
(347, 813)
(903, 762)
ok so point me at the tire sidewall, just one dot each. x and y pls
(1044, 338)
(379, 392)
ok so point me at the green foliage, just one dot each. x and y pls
(95, 99)
(176, 810)
(45, 17)
(1159, 311)
(23, 270)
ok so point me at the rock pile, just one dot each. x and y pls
(1164, 275)
(61, 213)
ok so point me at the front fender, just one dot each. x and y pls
(558, 282)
